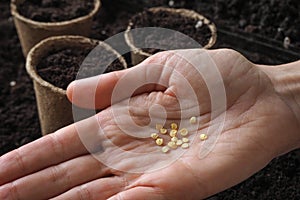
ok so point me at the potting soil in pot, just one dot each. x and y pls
(55, 10)
(61, 67)
(191, 27)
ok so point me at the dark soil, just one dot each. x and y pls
(112, 20)
(19, 122)
(61, 67)
(274, 19)
(190, 4)
(173, 21)
(55, 10)
(280, 180)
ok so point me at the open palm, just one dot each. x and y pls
(111, 155)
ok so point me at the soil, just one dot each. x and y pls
(280, 180)
(60, 67)
(173, 21)
(55, 10)
(189, 4)
(112, 20)
(274, 19)
(19, 122)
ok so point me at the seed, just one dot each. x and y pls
(185, 145)
(165, 149)
(174, 139)
(154, 136)
(173, 133)
(158, 126)
(179, 142)
(184, 132)
(172, 145)
(193, 120)
(185, 140)
(203, 137)
(163, 131)
(159, 141)
(174, 126)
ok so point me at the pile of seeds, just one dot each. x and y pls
(178, 137)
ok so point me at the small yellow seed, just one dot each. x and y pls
(173, 133)
(163, 131)
(184, 132)
(179, 142)
(154, 136)
(185, 145)
(172, 145)
(159, 141)
(174, 139)
(193, 120)
(185, 140)
(203, 137)
(165, 149)
(158, 126)
(174, 126)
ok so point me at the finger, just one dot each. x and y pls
(139, 193)
(100, 189)
(56, 179)
(96, 92)
(52, 149)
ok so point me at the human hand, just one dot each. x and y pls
(60, 165)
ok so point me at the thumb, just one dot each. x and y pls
(102, 91)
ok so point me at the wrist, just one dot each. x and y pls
(286, 82)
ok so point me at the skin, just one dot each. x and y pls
(260, 124)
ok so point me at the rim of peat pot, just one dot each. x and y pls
(31, 32)
(15, 13)
(184, 12)
(41, 48)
